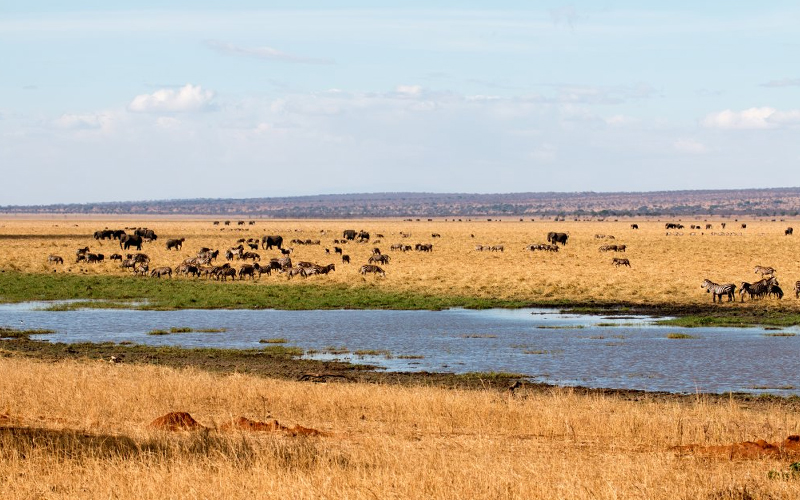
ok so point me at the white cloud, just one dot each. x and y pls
(186, 99)
(267, 53)
(689, 146)
(90, 121)
(409, 90)
(753, 118)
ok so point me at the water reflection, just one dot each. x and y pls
(545, 345)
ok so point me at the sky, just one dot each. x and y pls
(207, 99)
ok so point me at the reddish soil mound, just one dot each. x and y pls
(245, 424)
(176, 421)
(790, 447)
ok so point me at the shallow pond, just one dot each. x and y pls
(544, 345)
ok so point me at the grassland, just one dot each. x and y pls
(665, 275)
(81, 430)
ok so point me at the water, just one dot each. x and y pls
(544, 345)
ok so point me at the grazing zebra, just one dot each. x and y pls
(764, 271)
(620, 262)
(372, 269)
(56, 259)
(161, 271)
(717, 290)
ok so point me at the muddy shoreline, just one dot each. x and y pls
(275, 363)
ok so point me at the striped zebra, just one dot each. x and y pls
(764, 271)
(717, 290)
(760, 288)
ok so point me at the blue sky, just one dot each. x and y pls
(205, 99)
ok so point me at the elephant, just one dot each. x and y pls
(267, 242)
(557, 238)
(131, 240)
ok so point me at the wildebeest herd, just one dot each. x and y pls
(243, 260)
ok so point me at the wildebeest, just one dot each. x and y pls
(94, 257)
(55, 259)
(349, 234)
(620, 262)
(369, 268)
(345, 259)
(788, 231)
(176, 244)
(267, 242)
(634, 226)
(337, 250)
(673, 225)
(424, 247)
(251, 255)
(161, 271)
(718, 290)
(362, 236)
(248, 270)
(554, 238)
(115, 256)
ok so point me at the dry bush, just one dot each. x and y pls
(90, 423)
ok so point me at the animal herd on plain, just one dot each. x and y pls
(204, 263)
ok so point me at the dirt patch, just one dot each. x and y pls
(245, 424)
(789, 447)
(176, 421)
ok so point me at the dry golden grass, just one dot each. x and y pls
(386, 441)
(665, 269)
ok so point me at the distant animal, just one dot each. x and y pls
(554, 238)
(115, 256)
(379, 259)
(673, 225)
(349, 234)
(620, 262)
(788, 231)
(709, 226)
(130, 240)
(161, 271)
(267, 242)
(797, 290)
(372, 269)
(55, 259)
(764, 271)
(744, 226)
(248, 270)
(337, 250)
(718, 290)
(176, 244)
(345, 259)
(225, 273)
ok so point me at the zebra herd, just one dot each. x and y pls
(767, 286)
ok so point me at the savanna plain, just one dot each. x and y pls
(81, 428)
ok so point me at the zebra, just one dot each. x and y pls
(763, 270)
(372, 269)
(620, 262)
(717, 290)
